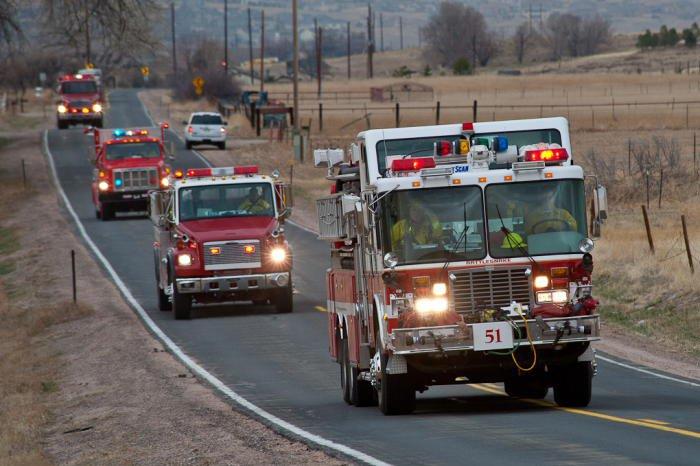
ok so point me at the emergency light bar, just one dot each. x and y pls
(412, 164)
(222, 171)
(120, 133)
(547, 155)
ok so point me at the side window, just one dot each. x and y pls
(363, 156)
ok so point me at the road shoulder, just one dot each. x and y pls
(103, 389)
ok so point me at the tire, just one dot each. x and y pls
(573, 385)
(526, 387)
(163, 299)
(98, 124)
(222, 145)
(283, 300)
(396, 395)
(98, 214)
(345, 372)
(61, 124)
(106, 212)
(361, 392)
(182, 305)
(188, 145)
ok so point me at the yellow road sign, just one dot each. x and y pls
(145, 71)
(198, 81)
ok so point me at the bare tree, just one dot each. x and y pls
(568, 34)
(521, 39)
(595, 32)
(9, 26)
(458, 31)
(106, 32)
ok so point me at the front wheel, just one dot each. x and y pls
(163, 300)
(182, 305)
(345, 372)
(396, 392)
(573, 384)
(222, 145)
(188, 145)
(106, 212)
(283, 300)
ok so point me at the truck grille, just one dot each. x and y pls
(475, 290)
(224, 255)
(133, 179)
(80, 104)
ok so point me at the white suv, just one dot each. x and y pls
(205, 128)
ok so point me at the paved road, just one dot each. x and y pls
(280, 363)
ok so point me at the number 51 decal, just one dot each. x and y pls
(492, 335)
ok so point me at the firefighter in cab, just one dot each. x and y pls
(255, 203)
(421, 227)
(548, 218)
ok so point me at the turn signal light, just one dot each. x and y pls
(249, 249)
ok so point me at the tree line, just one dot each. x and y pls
(458, 37)
(669, 37)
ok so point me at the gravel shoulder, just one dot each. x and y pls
(87, 384)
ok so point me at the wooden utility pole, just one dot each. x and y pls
(226, 37)
(172, 36)
(250, 48)
(370, 43)
(401, 32)
(381, 31)
(295, 64)
(349, 50)
(262, 50)
(88, 57)
(319, 60)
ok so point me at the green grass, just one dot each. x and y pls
(8, 245)
(49, 386)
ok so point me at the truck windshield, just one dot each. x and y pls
(226, 200)
(541, 217)
(428, 225)
(78, 87)
(132, 150)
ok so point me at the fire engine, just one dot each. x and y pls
(80, 101)
(460, 254)
(129, 162)
(219, 237)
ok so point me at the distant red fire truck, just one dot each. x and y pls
(129, 162)
(460, 254)
(219, 237)
(80, 101)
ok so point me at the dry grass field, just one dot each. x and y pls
(653, 295)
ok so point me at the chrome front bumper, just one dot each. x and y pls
(447, 338)
(233, 283)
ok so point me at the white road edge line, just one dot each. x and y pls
(180, 354)
(645, 371)
(206, 161)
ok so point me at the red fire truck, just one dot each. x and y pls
(219, 237)
(460, 254)
(129, 162)
(80, 101)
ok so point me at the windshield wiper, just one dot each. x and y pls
(518, 244)
(456, 244)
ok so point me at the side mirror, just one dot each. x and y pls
(284, 200)
(184, 122)
(601, 202)
(225, 123)
(155, 207)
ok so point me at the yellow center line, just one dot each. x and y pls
(648, 423)
(320, 309)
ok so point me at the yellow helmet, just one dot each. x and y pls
(513, 240)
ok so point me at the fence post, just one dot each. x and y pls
(661, 186)
(629, 156)
(437, 113)
(258, 122)
(320, 117)
(398, 119)
(694, 151)
(648, 228)
(72, 266)
(24, 175)
(474, 109)
(687, 245)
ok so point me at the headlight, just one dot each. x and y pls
(97, 107)
(184, 259)
(278, 254)
(555, 296)
(439, 289)
(541, 281)
(586, 245)
(103, 185)
(430, 305)
(62, 108)
(391, 259)
(164, 182)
